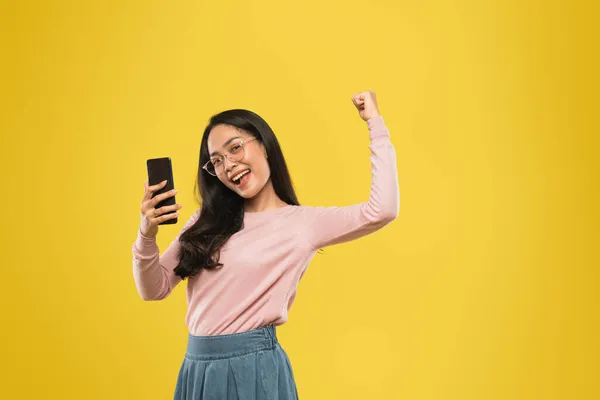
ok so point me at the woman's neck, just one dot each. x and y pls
(265, 200)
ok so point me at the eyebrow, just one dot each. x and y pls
(224, 144)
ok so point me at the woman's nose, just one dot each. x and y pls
(229, 164)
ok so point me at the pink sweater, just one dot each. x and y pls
(264, 262)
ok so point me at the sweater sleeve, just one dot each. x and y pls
(333, 225)
(153, 274)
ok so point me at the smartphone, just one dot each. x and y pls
(160, 169)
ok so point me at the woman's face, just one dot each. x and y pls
(244, 169)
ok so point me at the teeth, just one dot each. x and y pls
(238, 177)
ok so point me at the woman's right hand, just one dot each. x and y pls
(151, 217)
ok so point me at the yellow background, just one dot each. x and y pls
(485, 287)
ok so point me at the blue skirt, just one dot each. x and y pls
(242, 366)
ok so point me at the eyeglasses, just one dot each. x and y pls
(234, 152)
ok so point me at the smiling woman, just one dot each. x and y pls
(233, 142)
(246, 249)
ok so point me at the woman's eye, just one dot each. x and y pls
(235, 148)
(216, 161)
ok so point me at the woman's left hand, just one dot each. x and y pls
(366, 104)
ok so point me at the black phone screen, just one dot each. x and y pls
(160, 169)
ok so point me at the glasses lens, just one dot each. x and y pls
(210, 168)
(217, 167)
(236, 151)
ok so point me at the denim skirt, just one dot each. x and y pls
(249, 365)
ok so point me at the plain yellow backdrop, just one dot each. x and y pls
(485, 287)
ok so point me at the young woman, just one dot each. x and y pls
(246, 249)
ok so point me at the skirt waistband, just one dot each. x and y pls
(231, 345)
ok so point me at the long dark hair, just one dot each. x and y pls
(222, 210)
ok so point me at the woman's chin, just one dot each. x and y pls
(249, 191)
(246, 192)
(246, 196)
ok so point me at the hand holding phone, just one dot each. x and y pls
(158, 205)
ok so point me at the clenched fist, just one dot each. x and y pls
(366, 104)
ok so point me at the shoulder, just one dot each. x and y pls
(191, 220)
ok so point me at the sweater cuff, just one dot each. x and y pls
(377, 127)
(144, 242)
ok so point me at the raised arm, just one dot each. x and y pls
(333, 225)
(153, 273)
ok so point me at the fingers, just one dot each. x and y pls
(161, 197)
(155, 216)
(166, 209)
(165, 217)
(364, 101)
(154, 188)
(358, 99)
(149, 190)
(152, 217)
(359, 104)
(148, 202)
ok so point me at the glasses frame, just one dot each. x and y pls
(242, 142)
